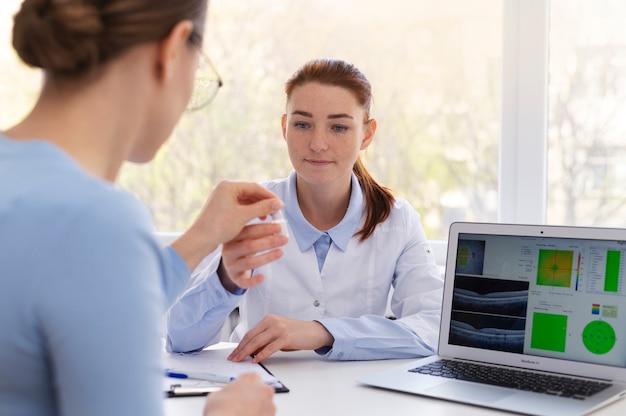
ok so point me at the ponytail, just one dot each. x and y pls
(378, 200)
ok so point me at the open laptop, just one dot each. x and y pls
(533, 321)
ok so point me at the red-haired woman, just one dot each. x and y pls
(350, 242)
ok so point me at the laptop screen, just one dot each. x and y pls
(552, 297)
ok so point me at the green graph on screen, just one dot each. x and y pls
(611, 273)
(555, 268)
(599, 337)
(549, 331)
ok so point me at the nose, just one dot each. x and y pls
(318, 141)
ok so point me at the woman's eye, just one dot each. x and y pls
(301, 125)
(339, 128)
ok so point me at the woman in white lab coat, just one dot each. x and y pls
(351, 242)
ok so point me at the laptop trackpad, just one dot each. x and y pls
(468, 392)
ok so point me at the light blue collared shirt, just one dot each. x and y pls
(308, 236)
(345, 286)
(83, 285)
(321, 246)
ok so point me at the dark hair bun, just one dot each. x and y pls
(62, 37)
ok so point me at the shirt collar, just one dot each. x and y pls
(306, 234)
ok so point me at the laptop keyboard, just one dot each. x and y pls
(517, 379)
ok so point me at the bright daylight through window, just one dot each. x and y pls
(587, 119)
(436, 71)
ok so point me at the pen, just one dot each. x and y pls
(176, 390)
(216, 378)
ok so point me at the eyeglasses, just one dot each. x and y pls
(206, 84)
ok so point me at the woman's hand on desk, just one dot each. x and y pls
(240, 255)
(227, 210)
(275, 333)
(247, 396)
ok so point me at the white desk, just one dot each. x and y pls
(323, 388)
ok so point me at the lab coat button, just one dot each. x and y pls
(316, 303)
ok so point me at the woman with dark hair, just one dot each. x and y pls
(83, 282)
(351, 242)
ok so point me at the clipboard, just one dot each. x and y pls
(182, 390)
(279, 387)
(178, 390)
(213, 359)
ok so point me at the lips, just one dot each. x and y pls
(318, 162)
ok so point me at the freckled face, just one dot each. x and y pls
(325, 131)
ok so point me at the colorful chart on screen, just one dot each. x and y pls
(599, 337)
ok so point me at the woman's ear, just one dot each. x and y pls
(370, 131)
(171, 49)
(283, 123)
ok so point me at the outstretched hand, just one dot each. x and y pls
(229, 207)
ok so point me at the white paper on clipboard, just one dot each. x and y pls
(213, 360)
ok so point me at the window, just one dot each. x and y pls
(435, 71)
(587, 113)
(488, 110)
(19, 85)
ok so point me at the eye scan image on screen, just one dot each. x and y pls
(552, 297)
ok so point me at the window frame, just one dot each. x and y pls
(524, 135)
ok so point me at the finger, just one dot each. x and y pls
(260, 327)
(255, 344)
(243, 342)
(269, 349)
(243, 349)
(261, 208)
(253, 354)
(249, 378)
(251, 192)
(251, 247)
(242, 269)
(249, 282)
(253, 262)
(253, 231)
(270, 408)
